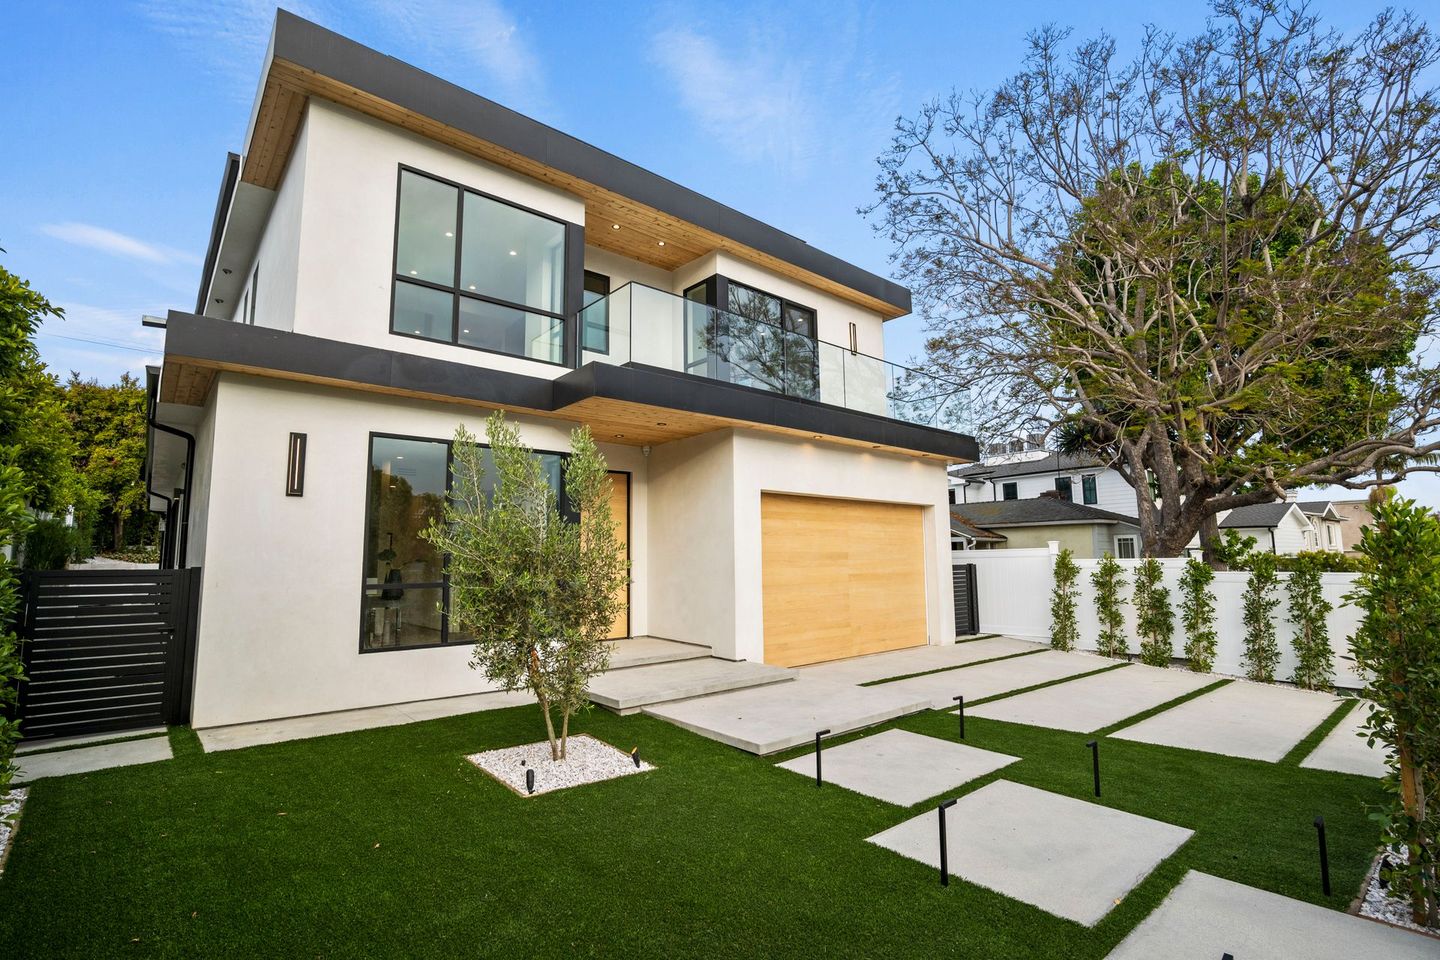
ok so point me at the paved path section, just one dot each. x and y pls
(243, 735)
(900, 767)
(1345, 751)
(1089, 703)
(626, 691)
(1206, 917)
(1066, 856)
(782, 715)
(1241, 719)
(899, 663)
(43, 746)
(939, 690)
(35, 766)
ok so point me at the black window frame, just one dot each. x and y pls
(1065, 486)
(1089, 492)
(595, 276)
(1010, 490)
(457, 291)
(563, 505)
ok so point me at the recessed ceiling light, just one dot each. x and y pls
(417, 331)
(472, 286)
(400, 456)
(226, 270)
(817, 436)
(660, 242)
(219, 300)
(464, 331)
(614, 226)
(414, 273)
(513, 253)
(662, 423)
(449, 233)
(619, 436)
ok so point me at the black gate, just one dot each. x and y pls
(106, 650)
(967, 612)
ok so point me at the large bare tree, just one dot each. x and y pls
(1212, 262)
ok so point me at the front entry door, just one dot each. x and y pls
(620, 510)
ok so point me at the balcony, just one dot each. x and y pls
(653, 328)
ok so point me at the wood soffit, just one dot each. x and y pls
(282, 106)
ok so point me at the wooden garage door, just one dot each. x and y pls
(841, 578)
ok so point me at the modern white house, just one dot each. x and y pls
(392, 256)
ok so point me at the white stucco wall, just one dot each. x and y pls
(280, 610)
(273, 287)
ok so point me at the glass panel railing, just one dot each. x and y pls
(659, 329)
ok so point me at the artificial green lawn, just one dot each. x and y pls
(388, 843)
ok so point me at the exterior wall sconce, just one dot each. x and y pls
(295, 467)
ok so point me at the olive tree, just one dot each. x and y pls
(1209, 263)
(537, 590)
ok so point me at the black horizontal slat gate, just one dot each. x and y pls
(106, 650)
(967, 612)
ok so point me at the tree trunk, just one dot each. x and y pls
(535, 672)
(564, 732)
(1209, 536)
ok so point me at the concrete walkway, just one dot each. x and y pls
(900, 767)
(1241, 719)
(1068, 857)
(1205, 918)
(243, 735)
(61, 763)
(992, 679)
(899, 663)
(627, 691)
(1344, 750)
(1087, 704)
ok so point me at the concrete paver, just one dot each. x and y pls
(992, 679)
(1241, 719)
(1090, 703)
(1344, 751)
(779, 716)
(1206, 917)
(1066, 856)
(36, 766)
(626, 691)
(899, 766)
(898, 663)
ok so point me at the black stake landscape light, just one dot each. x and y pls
(530, 780)
(818, 735)
(1324, 856)
(944, 847)
(635, 755)
(961, 701)
(1094, 746)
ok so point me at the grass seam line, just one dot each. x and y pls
(1311, 740)
(1039, 686)
(1162, 707)
(959, 666)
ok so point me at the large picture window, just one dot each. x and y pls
(405, 593)
(478, 272)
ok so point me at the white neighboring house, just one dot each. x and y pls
(1288, 527)
(392, 256)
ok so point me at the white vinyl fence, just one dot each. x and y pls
(1013, 595)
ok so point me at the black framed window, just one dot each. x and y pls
(405, 594)
(595, 320)
(1009, 491)
(755, 339)
(1065, 487)
(476, 271)
(1087, 489)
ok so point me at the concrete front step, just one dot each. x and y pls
(627, 691)
(644, 651)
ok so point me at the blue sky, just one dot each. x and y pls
(117, 117)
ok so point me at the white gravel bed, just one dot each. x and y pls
(1379, 904)
(587, 760)
(10, 805)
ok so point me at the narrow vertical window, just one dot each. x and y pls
(1065, 487)
(1087, 489)
(595, 317)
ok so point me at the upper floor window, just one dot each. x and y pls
(477, 272)
(595, 324)
(1087, 489)
(1009, 491)
(1065, 487)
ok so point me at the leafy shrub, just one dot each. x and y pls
(1064, 624)
(48, 546)
(14, 519)
(134, 555)
(1315, 661)
(1323, 561)
(1154, 618)
(1398, 647)
(1197, 614)
(1262, 652)
(1109, 583)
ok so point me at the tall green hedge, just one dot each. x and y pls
(1064, 622)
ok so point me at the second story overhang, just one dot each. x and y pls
(628, 210)
(629, 404)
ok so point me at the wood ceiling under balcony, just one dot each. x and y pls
(642, 228)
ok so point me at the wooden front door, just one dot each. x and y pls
(620, 511)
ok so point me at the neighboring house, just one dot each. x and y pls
(967, 536)
(1024, 476)
(392, 256)
(1354, 516)
(1279, 528)
(1087, 531)
(1327, 526)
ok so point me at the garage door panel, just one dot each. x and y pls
(841, 578)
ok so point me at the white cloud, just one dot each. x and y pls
(116, 244)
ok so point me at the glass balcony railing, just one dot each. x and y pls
(659, 329)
